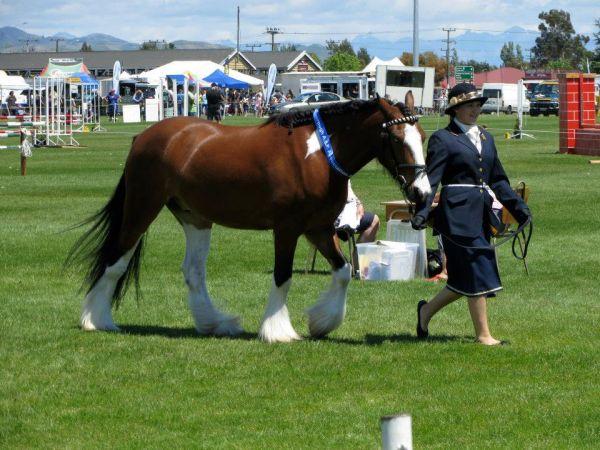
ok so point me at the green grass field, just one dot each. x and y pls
(159, 385)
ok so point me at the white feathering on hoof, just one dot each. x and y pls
(96, 313)
(212, 322)
(276, 325)
(328, 313)
(208, 320)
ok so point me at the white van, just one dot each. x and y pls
(503, 97)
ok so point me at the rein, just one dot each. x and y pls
(516, 237)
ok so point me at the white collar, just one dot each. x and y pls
(464, 127)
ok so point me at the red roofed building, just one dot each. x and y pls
(501, 75)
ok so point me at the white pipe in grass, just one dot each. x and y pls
(396, 432)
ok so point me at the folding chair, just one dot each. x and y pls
(349, 234)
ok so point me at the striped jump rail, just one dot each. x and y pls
(21, 124)
(7, 134)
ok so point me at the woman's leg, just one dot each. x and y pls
(442, 299)
(478, 310)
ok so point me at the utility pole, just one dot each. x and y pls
(253, 46)
(416, 33)
(238, 29)
(56, 40)
(28, 49)
(448, 42)
(273, 31)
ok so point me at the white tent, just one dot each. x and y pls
(12, 83)
(196, 69)
(372, 66)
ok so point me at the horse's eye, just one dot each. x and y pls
(396, 140)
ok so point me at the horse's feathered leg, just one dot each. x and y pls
(276, 325)
(208, 319)
(328, 313)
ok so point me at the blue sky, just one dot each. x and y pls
(302, 21)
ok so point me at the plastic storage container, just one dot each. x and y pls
(386, 260)
(369, 260)
(402, 231)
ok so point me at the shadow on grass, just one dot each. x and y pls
(368, 340)
(379, 339)
(177, 333)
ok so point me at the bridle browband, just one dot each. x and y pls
(419, 168)
(399, 120)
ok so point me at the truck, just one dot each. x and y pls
(544, 98)
(503, 97)
(394, 82)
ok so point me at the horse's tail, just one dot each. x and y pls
(99, 246)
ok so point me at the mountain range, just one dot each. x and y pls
(480, 46)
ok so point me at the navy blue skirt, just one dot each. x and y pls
(471, 272)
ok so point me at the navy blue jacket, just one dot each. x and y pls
(453, 159)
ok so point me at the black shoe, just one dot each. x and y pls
(421, 333)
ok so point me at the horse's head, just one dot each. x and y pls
(402, 148)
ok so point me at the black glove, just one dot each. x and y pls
(523, 216)
(418, 223)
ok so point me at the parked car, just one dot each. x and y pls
(503, 97)
(545, 99)
(308, 100)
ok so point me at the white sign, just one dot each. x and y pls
(270, 82)
(131, 114)
(310, 87)
(152, 110)
(116, 76)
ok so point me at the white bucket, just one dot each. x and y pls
(402, 231)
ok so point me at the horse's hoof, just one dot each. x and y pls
(272, 338)
(87, 325)
(228, 326)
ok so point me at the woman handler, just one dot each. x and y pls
(463, 158)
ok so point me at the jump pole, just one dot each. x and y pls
(396, 432)
(23, 157)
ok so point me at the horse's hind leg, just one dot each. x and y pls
(129, 214)
(276, 325)
(96, 313)
(328, 313)
(208, 319)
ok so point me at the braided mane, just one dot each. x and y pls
(304, 117)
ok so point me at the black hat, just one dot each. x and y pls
(463, 93)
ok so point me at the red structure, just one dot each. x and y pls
(579, 132)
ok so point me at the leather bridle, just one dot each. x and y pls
(418, 168)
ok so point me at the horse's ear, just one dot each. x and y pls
(377, 96)
(409, 101)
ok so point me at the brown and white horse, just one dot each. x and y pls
(271, 176)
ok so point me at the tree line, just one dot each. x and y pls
(557, 47)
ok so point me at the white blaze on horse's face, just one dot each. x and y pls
(412, 138)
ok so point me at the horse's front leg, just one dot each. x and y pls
(328, 313)
(276, 325)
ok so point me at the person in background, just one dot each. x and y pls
(214, 101)
(11, 104)
(353, 218)
(463, 158)
(180, 99)
(113, 104)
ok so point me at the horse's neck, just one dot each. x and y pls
(352, 143)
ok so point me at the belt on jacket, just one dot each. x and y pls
(483, 185)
